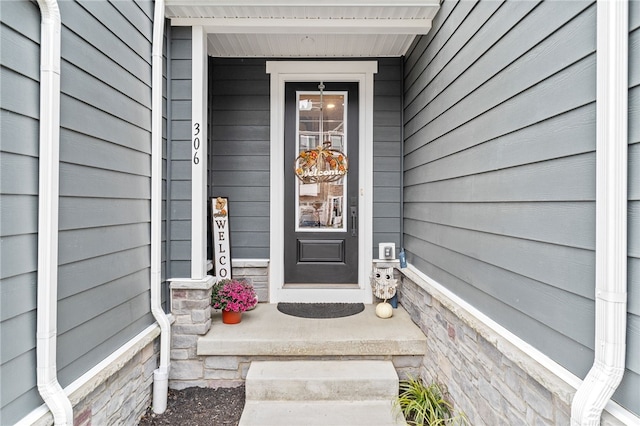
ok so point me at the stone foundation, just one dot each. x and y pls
(117, 391)
(255, 270)
(125, 396)
(190, 307)
(492, 386)
(216, 371)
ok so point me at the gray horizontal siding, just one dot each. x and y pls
(83, 181)
(17, 128)
(90, 151)
(548, 139)
(81, 244)
(627, 393)
(93, 272)
(528, 182)
(165, 270)
(19, 254)
(501, 118)
(93, 21)
(499, 166)
(104, 189)
(387, 152)
(92, 90)
(20, 93)
(105, 179)
(516, 272)
(14, 221)
(20, 53)
(179, 154)
(239, 166)
(579, 232)
(83, 118)
(22, 395)
(519, 323)
(19, 133)
(122, 321)
(102, 212)
(97, 63)
(18, 295)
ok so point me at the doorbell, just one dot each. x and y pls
(386, 251)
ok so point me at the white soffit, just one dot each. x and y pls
(302, 28)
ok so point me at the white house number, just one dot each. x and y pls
(196, 143)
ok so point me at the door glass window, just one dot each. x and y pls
(321, 122)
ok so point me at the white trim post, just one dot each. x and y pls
(199, 154)
(365, 195)
(276, 187)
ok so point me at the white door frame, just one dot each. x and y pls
(345, 71)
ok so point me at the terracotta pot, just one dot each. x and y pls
(230, 317)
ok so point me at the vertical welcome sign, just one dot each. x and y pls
(220, 232)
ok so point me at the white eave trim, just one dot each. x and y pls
(307, 26)
(305, 3)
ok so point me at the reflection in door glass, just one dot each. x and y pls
(321, 122)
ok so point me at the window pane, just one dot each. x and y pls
(321, 122)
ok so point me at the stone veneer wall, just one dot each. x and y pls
(118, 393)
(191, 308)
(123, 397)
(489, 384)
(255, 270)
(215, 371)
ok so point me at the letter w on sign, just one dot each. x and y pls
(220, 233)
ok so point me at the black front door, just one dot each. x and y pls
(321, 217)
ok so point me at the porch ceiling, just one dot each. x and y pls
(306, 28)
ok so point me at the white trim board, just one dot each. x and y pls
(346, 71)
(199, 153)
(307, 26)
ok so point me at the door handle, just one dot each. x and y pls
(354, 221)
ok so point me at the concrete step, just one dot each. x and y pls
(342, 393)
(320, 413)
(364, 380)
(265, 331)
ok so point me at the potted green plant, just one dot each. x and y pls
(233, 297)
(424, 405)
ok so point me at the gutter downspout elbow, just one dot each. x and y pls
(611, 215)
(161, 374)
(48, 192)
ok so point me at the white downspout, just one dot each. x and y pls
(161, 374)
(47, 308)
(611, 215)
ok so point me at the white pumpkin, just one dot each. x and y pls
(384, 310)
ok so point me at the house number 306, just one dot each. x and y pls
(196, 143)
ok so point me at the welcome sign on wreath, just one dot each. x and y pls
(322, 164)
(220, 231)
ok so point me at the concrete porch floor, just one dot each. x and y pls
(265, 331)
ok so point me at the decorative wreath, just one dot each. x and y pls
(321, 165)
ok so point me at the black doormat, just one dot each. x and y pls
(320, 310)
